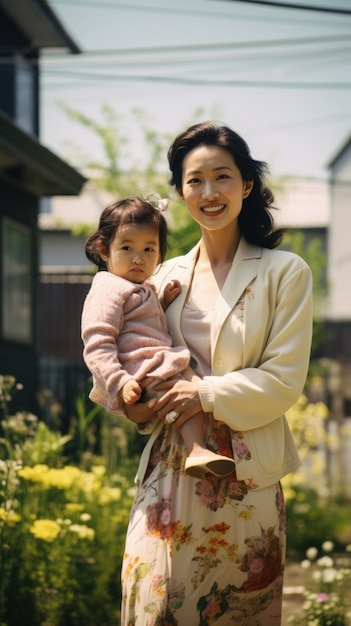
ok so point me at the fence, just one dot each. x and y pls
(62, 373)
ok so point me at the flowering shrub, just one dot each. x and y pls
(62, 529)
(61, 536)
(64, 513)
(313, 511)
(327, 599)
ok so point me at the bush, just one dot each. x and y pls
(314, 513)
(62, 528)
(65, 503)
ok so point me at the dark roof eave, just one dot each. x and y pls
(39, 23)
(26, 164)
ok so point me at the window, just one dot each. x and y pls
(16, 281)
(24, 94)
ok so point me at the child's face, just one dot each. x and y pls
(133, 253)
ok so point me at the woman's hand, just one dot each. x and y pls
(181, 396)
(139, 413)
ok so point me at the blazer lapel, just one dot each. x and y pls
(183, 272)
(242, 272)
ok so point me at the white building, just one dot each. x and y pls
(339, 243)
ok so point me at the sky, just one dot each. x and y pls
(280, 77)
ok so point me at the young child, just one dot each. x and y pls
(127, 347)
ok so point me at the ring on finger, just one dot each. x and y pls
(171, 417)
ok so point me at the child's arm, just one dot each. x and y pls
(171, 291)
(102, 320)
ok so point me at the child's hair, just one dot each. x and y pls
(127, 211)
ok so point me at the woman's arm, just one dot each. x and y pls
(254, 396)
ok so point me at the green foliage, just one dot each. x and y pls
(61, 536)
(311, 521)
(326, 581)
(311, 250)
(184, 232)
(62, 525)
(65, 503)
(111, 173)
(146, 177)
(314, 513)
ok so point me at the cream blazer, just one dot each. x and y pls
(261, 335)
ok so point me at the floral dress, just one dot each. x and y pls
(201, 552)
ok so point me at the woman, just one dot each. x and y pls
(211, 551)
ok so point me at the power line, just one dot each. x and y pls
(325, 55)
(300, 7)
(204, 82)
(138, 7)
(184, 11)
(263, 43)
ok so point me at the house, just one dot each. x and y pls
(65, 278)
(28, 172)
(338, 312)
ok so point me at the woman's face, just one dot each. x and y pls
(213, 188)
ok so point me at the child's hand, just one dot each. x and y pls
(131, 392)
(172, 290)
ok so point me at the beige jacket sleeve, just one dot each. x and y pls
(275, 356)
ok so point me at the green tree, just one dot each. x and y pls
(311, 250)
(144, 176)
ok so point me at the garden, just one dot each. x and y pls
(65, 502)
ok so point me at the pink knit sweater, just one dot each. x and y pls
(124, 331)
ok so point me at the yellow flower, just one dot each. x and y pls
(13, 518)
(109, 494)
(64, 478)
(72, 507)
(36, 474)
(89, 483)
(99, 470)
(3, 514)
(9, 516)
(246, 515)
(45, 529)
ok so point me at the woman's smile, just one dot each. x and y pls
(213, 209)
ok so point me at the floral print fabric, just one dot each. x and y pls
(202, 552)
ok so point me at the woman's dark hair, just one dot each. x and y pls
(255, 220)
(127, 211)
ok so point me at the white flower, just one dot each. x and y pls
(328, 546)
(311, 553)
(329, 575)
(305, 564)
(325, 561)
(82, 531)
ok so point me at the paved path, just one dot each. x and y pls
(293, 592)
